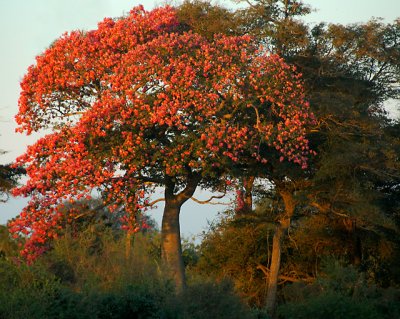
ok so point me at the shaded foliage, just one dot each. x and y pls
(71, 282)
(8, 179)
(339, 292)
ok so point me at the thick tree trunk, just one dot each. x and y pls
(171, 248)
(280, 232)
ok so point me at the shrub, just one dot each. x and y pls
(339, 292)
(207, 299)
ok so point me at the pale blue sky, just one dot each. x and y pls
(29, 26)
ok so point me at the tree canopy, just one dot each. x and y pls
(139, 103)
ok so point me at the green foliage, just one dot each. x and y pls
(339, 292)
(207, 19)
(132, 301)
(210, 300)
(190, 253)
(96, 258)
(8, 245)
(89, 275)
(8, 179)
(237, 249)
(330, 306)
(25, 292)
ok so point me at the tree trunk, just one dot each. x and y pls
(248, 194)
(280, 232)
(128, 244)
(351, 227)
(246, 197)
(171, 249)
(357, 259)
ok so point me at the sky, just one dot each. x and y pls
(28, 27)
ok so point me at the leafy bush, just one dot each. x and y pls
(339, 292)
(208, 300)
(25, 292)
(235, 249)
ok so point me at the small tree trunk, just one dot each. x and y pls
(351, 227)
(357, 250)
(171, 249)
(280, 232)
(246, 197)
(128, 244)
(248, 194)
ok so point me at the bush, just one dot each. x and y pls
(25, 292)
(329, 305)
(339, 292)
(208, 300)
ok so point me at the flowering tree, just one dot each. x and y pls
(136, 104)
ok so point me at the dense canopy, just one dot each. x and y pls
(137, 103)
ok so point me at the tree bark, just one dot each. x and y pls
(246, 196)
(128, 245)
(171, 248)
(280, 232)
(351, 227)
(248, 193)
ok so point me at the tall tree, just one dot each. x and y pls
(139, 103)
(349, 71)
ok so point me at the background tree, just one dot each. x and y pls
(208, 19)
(349, 72)
(8, 179)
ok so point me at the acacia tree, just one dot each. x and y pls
(349, 71)
(139, 103)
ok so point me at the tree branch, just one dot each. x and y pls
(162, 199)
(208, 201)
(193, 181)
(265, 271)
(325, 209)
(150, 179)
(73, 113)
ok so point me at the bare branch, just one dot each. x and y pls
(155, 201)
(257, 126)
(74, 113)
(326, 209)
(208, 201)
(265, 271)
